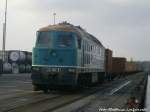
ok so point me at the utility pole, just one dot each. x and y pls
(54, 14)
(4, 33)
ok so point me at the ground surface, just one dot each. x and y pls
(16, 95)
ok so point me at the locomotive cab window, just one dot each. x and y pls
(65, 40)
(79, 43)
(44, 38)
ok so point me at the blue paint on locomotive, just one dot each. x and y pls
(55, 49)
(66, 57)
(54, 57)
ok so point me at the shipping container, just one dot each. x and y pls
(28, 68)
(22, 68)
(7, 67)
(17, 56)
(29, 57)
(118, 65)
(15, 68)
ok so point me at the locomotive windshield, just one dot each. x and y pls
(44, 38)
(64, 40)
(56, 39)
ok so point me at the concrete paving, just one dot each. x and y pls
(13, 83)
(16, 93)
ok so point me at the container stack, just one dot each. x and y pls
(7, 67)
(17, 62)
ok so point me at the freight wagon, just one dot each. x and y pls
(66, 55)
(131, 67)
(121, 67)
(108, 64)
(118, 66)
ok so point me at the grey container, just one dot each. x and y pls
(17, 56)
(15, 68)
(28, 68)
(7, 67)
(29, 57)
(22, 68)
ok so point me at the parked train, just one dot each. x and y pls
(67, 55)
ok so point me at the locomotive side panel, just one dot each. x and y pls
(92, 56)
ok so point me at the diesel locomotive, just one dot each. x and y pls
(66, 55)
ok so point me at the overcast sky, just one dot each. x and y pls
(121, 25)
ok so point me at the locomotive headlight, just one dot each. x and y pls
(53, 54)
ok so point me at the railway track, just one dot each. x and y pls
(117, 100)
(101, 92)
(50, 104)
(28, 99)
(15, 94)
(39, 102)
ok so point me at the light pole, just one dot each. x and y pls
(54, 14)
(4, 33)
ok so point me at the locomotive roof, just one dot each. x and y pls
(67, 27)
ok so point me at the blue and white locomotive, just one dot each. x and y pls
(66, 55)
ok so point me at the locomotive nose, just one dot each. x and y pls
(54, 54)
(56, 57)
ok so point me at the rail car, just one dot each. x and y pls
(122, 67)
(66, 55)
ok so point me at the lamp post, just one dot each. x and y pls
(4, 34)
(54, 14)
